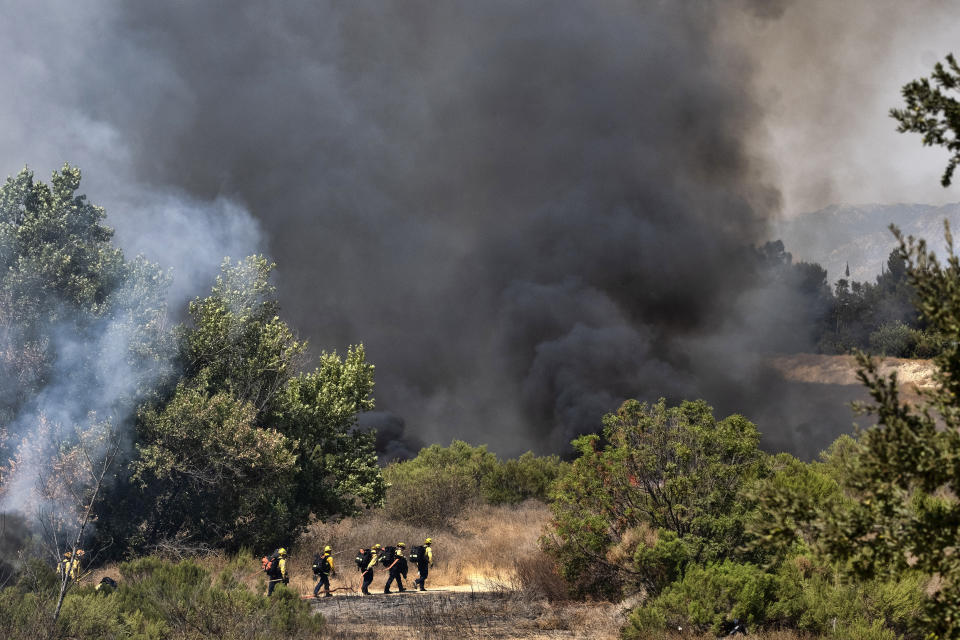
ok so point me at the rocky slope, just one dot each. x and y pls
(858, 235)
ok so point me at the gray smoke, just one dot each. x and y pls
(526, 211)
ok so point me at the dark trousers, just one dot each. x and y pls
(322, 583)
(273, 582)
(394, 575)
(422, 580)
(367, 579)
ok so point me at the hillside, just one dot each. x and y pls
(914, 375)
(859, 235)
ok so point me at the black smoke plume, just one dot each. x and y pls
(528, 211)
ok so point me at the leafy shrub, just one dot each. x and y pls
(435, 488)
(897, 340)
(903, 341)
(803, 594)
(709, 598)
(160, 600)
(656, 470)
(788, 503)
(929, 344)
(814, 598)
(428, 497)
(516, 480)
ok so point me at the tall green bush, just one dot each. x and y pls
(436, 487)
(657, 469)
(802, 594)
(523, 478)
(707, 598)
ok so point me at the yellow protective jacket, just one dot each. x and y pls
(329, 560)
(373, 561)
(429, 553)
(69, 567)
(283, 568)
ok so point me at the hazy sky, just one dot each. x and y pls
(827, 73)
(527, 211)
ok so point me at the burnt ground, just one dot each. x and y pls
(463, 612)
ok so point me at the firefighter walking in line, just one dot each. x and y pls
(324, 569)
(278, 573)
(397, 569)
(368, 570)
(424, 562)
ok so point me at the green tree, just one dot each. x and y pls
(933, 112)
(62, 280)
(83, 340)
(904, 513)
(660, 489)
(246, 449)
(790, 503)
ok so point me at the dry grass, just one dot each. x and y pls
(498, 583)
(482, 550)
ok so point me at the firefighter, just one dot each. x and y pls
(70, 565)
(397, 569)
(324, 570)
(280, 573)
(65, 568)
(368, 571)
(424, 562)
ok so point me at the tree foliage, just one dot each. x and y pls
(62, 284)
(876, 316)
(436, 487)
(247, 448)
(233, 440)
(933, 112)
(906, 479)
(659, 490)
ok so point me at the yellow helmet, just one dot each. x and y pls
(428, 541)
(400, 545)
(282, 552)
(327, 549)
(376, 546)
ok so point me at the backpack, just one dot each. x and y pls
(389, 555)
(418, 555)
(107, 585)
(319, 564)
(271, 565)
(364, 556)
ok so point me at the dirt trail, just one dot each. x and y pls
(464, 612)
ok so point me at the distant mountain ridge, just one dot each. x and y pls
(858, 234)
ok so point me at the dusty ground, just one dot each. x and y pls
(460, 612)
(842, 370)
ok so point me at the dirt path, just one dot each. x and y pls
(462, 612)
